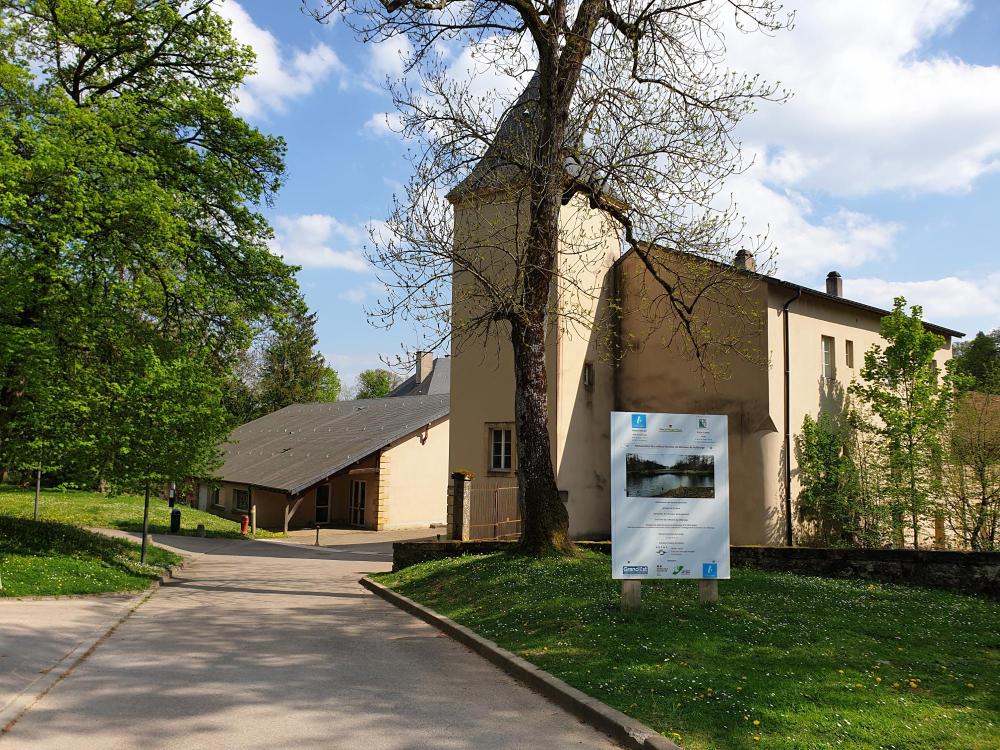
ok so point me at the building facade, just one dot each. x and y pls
(608, 350)
(372, 464)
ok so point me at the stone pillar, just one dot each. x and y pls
(460, 507)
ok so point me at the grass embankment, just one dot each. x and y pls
(783, 661)
(42, 558)
(124, 512)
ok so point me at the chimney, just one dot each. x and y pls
(745, 260)
(425, 363)
(834, 284)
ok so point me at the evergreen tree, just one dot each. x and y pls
(293, 372)
(979, 358)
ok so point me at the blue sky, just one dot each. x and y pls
(885, 164)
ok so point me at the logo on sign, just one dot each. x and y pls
(634, 570)
(638, 421)
(710, 570)
(702, 424)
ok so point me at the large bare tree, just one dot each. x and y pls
(626, 105)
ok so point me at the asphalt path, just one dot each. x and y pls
(274, 645)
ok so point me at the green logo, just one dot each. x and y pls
(678, 570)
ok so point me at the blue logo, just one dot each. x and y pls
(710, 570)
(635, 570)
(638, 421)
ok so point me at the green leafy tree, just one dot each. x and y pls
(911, 402)
(131, 247)
(293, 372)
(329, 387)
(827, 498)
(375, 383)
(979, 358)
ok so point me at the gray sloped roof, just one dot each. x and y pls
(295, 447)
(437, 383)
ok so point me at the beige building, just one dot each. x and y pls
(372, 463)
(802, 352)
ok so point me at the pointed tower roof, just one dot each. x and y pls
(506, 159)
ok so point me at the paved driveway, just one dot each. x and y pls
(274, 645)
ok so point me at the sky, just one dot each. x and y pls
(884, 165)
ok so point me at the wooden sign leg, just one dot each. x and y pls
(631, 595)
(708, 592)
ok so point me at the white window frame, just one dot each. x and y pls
(828, 359)
(849, 353)
(506, 432)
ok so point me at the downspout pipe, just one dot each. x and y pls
(789, 540)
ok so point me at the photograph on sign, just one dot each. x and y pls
(670, 475)
(669, 496)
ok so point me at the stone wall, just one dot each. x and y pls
(970, 572)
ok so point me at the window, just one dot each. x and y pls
(216, 498)
(241, 499)
(588, 376)
(829, 361)
(323, 504)
(849, 353)
(501, 447)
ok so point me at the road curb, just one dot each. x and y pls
(40, 687)
(619, 727)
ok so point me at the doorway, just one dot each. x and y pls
(323, 504)
(357, 506)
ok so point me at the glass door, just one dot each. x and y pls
(323, 504)
(357, 507)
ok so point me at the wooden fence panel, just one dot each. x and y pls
(494, 513)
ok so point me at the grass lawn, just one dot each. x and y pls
(113, 512)
(783, 661)
(40, 558)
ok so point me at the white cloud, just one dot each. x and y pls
(388, 57)
(362, 292)
(872, 110)
(385, 124)
(807, 244)
(350, 365)
(280, 76)
(946, 300)
(319, 241)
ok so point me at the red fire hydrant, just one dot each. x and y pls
(244, 524)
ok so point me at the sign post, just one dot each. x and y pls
(669, 501)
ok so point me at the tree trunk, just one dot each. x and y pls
(544, 519)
